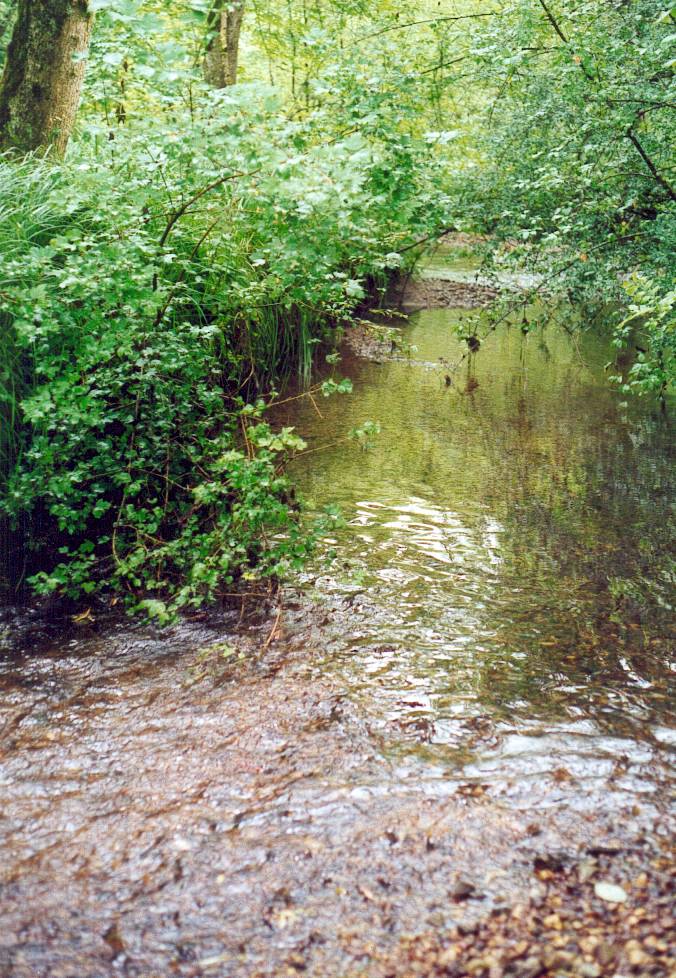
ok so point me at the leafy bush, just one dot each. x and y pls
(651, 321)
(147, 298)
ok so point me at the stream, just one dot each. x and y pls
(506, 562)
(451, 732)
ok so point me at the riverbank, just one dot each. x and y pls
(409, 294)
(439, 293)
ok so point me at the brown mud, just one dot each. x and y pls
(209, 801)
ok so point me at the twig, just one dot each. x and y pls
(271, 636)
(180, 211)
(249, 449)
(429, 20)
(314, 405)
(434, 236)
(633, 139)
(181, 275)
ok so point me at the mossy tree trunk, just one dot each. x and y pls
(225, 25)
(42, 80)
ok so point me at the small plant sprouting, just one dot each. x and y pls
(365, 434)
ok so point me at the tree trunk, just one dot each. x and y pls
(220, 62)
(42, 81)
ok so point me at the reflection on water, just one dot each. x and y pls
(503, 594)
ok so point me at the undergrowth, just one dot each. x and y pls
(150, 293)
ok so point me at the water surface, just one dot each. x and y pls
(502, 598)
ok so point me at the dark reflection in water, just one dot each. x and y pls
(503, 597)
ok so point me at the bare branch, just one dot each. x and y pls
(634, 140)
(430, 20)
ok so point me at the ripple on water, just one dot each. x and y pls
(505, 562)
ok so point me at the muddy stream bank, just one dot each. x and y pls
(447, 752)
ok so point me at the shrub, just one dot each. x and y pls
(149, 297)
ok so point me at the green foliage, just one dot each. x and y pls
(576, 181)
(651, 321)
(365, 434)
(28, 218)
(7, 12)
(129, 429)
(149, 295)
(196, 247)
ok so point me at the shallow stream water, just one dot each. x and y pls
(481, 675)
(505, 563)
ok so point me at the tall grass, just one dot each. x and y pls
(28, 219)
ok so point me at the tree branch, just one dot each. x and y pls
(443, 64)
(180, 211)
(634, 140)
(552, 20)
(430, 20)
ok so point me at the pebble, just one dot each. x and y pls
(559, 960)
(610, 892)
(586, 870)
(606, 954)
(555, 860)
(463, 890)
(530, 968)
(589, 970)
(636, 956)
